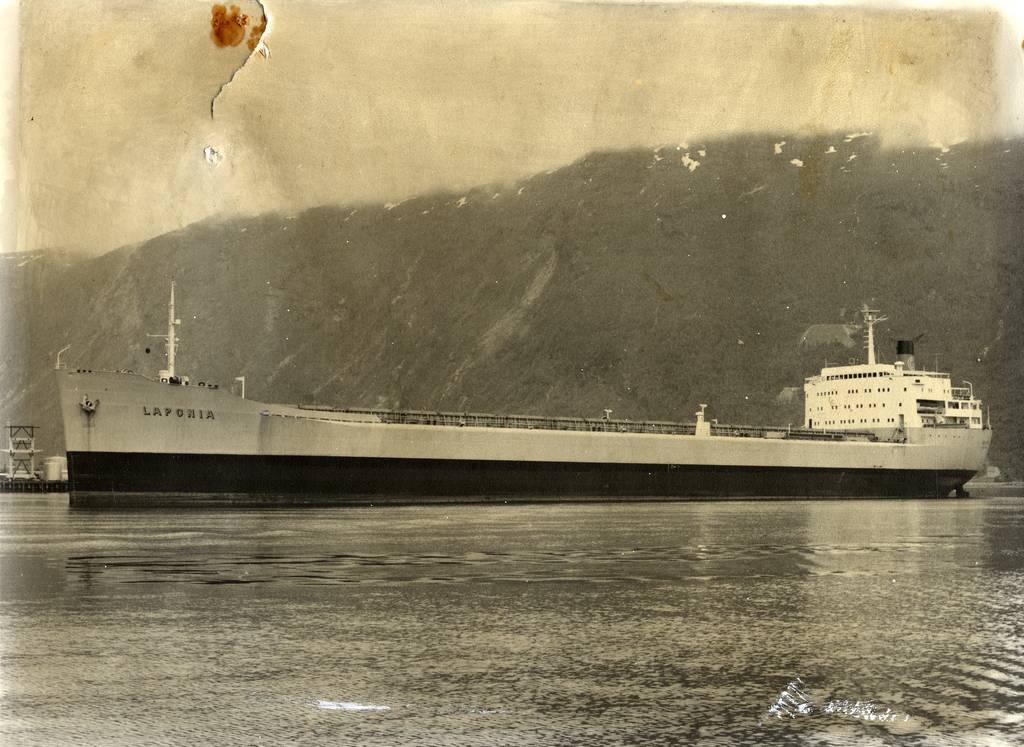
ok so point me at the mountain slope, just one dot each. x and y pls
(644, 281)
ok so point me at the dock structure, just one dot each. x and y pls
(20, 475)
(21, 452)
(35, 485)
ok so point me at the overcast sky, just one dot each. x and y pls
(377, 102)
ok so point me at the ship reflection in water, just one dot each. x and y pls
(667, 623)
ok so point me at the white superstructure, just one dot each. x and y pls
(887, 398)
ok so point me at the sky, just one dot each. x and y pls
(112, 139)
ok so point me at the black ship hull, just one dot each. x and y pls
(132, 478)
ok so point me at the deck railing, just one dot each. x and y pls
(536, 422)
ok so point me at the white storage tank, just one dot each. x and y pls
(55, 468)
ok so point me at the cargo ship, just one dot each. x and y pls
(871, 429)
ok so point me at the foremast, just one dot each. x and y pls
(170, 338)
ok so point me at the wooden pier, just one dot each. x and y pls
(7, 485)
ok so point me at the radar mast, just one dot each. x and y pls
(871, 318)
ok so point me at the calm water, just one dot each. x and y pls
(527, 625)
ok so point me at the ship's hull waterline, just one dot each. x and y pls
(135, 441)
(204, 479)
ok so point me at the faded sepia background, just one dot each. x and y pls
(377, 102)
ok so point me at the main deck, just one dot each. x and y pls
(605, 425)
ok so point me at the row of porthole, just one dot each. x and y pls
(866, 375)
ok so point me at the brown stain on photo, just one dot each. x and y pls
(257, 32)
(227, 26)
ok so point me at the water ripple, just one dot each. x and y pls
(480, 626)
(592, 565)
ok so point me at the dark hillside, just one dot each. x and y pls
(643, 281)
